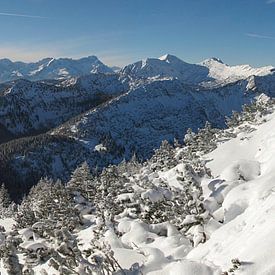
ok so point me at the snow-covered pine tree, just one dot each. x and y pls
(56, 207)
(5, 200)
(201, 143)
(163, 158)
(6, 209)
(25, 215)
(81, 181)
(8, 254)
(109, 184)
(251, 112)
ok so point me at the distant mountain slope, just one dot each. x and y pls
(140, 119)
(50, 68)
(197, 209)
(26, 107)
(135, 122)
(224, 73)
(210, 72)
(111, 117)
(167, 66)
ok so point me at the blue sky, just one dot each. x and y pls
(123, 31)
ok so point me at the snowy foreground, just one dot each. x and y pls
(242, 194)
(238, 236)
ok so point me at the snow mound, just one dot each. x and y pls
(188, 268)
(242, 197)
(241, 170)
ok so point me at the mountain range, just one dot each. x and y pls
(51, 68)
(104, 117)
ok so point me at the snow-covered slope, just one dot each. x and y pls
(135, 122)
(241, 202)
(145, 103)
(245, 176)
(167, 66)
(224, 73)
(162, 110)
(235, 234)
(211, 72)
(27, 106)
(50, 68)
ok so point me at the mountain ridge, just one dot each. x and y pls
(210, 72)
(126, 113)
(51, 68)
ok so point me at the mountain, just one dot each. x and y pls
(167, 66)
(32, 107)
(134, 122)
(196, 205)
(162, 109)
(224, 73)
(105, 118)
(51, 68)
(197, 209)
(211, 72)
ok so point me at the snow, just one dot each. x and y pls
(242, 196)
(239, 198)
(255, 146)
(50, 68)
(7, 223)
(241, 169)
(210, 72)
(248, 207)
(186, 267)
(223, 72)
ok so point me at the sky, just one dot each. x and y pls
(120, 32)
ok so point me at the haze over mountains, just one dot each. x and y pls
(85, 104)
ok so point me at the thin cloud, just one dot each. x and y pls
(260, 36)
(270, 1)
(22, 15)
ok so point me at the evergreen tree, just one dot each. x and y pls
(25, 216)
(4, 197)
(81, 181)
(163, 158)
(8, 254)
(56, 208)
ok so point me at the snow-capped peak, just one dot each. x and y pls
(164, 57)
(212, 60)
(210, 72)
(169, 58)
(223, 72)
(51, 68)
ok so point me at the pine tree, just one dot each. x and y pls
(81, 181)
(25, 215)
(163, 158)
(56, 207)
(108, 186)
(9, 257)
(4, 197)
